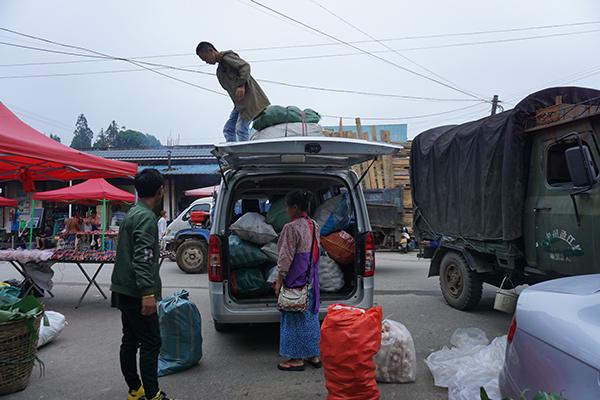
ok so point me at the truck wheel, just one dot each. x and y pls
(192, 256)
(461, 286)
(221, 327)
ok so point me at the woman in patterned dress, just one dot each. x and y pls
(299, 332)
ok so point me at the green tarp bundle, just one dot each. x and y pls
(277, 216)
(244, 254)
(275, 115)
(249, 283)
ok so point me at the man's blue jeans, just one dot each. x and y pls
(236, 128)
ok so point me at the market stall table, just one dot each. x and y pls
(18, 259)
(31, 284)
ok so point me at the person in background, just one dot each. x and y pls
(249, 100)
(95, 221)
(136, 287)
(72, 227)
(298, 263)
(15, 224)
(87, 224)
(43, 240)
(162, 224)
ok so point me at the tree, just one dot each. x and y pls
(129, 139)
(83, 135)
(55, 137)
(102, 140)
(111, 133)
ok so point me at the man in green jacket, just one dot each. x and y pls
(136, 287)
(234, 76)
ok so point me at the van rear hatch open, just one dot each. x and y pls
(306, 151)
(264, 171)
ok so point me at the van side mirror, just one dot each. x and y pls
(581, 166)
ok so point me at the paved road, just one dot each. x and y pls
(83, 362)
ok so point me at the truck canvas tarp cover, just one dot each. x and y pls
(469, 181)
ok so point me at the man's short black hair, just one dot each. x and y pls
(148, 182)
(203, 47)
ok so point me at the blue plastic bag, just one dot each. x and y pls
(180, 332)
(339, 218)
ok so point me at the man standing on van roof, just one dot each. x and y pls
(249, 100)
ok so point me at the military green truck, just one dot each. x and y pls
(513, 197)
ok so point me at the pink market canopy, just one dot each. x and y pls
(4, 202)
(202, 192)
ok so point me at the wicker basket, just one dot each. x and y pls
(17, 354)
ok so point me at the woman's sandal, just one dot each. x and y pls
(312, 363)
(286, 366)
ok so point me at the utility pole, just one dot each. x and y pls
(495, 104)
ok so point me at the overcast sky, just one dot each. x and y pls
(145, 101)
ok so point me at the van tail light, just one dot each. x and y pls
(215, 268)
(512, 330)
(369, 255)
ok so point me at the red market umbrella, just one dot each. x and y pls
(4, 202)
(202, 192)
(91, 191)
(28, 155)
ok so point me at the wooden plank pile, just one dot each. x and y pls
(387, 172)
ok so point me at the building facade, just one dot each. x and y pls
(184, 168)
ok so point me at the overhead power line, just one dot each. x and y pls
(410, 60)
(156, 66)
(475, 112)
(295, 58)
(404, 117)
(365, 51)
(110, 56)
(181, 80)
(93, 59)
(27, 114)
(570, 78)
(429, 36)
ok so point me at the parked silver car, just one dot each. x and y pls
(554, 340)
(263, 170)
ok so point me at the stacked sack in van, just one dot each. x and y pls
(279, 121)
(334, 217)
(248, 262)
(277, 217)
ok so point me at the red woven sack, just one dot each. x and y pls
(350, 338)
(340, 247)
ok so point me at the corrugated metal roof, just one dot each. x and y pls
(200, 152)
(198, 169)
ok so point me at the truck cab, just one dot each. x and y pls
(513, 198)
(562, 217)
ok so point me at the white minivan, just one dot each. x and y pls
(267, 169)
